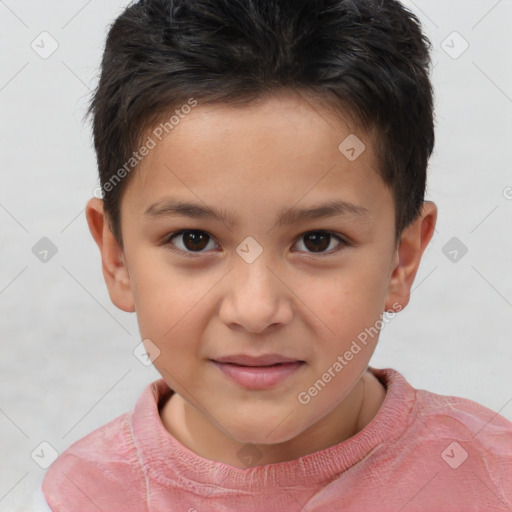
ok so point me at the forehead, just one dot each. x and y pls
(286, 148)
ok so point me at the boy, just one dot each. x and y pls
(262, 315)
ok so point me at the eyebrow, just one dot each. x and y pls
(287, 216)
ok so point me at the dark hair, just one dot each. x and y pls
(367, 58)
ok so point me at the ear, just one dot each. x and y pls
(413, 241)
(115, 271)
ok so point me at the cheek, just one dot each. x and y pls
(354, 291)
(171, 309)
(163, 295)
(347, 306)
(177, 336)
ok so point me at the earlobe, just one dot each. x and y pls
(115, 271)
(413, 242)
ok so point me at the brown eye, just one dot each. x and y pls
(319, 241)
(193, 240)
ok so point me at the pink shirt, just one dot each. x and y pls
(421, 452)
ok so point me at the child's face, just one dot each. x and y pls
(217, 295)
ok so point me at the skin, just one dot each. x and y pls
(254, 161)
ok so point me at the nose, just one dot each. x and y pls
(256, 297)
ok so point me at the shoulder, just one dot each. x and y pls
(443, 415)
(452, 415)
(99, 469)
(465, 447)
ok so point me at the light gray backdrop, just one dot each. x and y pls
(67, 363)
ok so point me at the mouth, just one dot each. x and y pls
(257, 361)
(259, 377)
(260, 366)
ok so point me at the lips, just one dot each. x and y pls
(258, 378)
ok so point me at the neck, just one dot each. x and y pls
(193, 429)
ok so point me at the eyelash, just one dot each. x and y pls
(167, 242)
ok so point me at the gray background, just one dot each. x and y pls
(68, 365)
